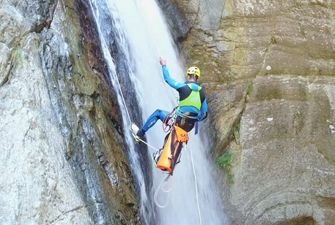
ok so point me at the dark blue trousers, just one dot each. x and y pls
(158, 114)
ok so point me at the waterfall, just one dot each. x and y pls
(141, 35)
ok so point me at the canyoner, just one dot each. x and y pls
(191, 109)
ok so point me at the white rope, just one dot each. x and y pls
(144, 142)
(121, 94)
(137, 138)
(166, 191)
(196, 187)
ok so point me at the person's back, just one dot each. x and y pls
(191, 99)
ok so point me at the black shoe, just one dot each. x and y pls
(140, 134)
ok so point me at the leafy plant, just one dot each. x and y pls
(224, 161)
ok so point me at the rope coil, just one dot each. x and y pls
(161, 187)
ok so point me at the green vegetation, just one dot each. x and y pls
(250, 88)
(225, 162)
(273, 40)
(236, 131)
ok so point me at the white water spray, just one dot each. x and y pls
(146, 39)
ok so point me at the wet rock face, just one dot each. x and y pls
(178, 23)
(269, 68)
(62, 156)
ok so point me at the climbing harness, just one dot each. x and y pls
(169, 121)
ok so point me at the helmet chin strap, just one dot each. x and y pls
(192, 78)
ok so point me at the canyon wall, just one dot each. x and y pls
(269, 70)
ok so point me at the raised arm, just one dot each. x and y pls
(167, 77)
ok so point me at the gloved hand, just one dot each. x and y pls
(202, 116)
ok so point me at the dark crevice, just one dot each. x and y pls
(234, 133)
(66, 212)
(40, 26)
(303, 220)
(49, 14)
(7, 76)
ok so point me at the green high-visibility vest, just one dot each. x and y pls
(193, 99)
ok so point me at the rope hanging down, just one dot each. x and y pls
(144, 142)
(196, 188)
(121, 94)
(128, 114)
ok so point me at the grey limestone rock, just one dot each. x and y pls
(62, 159)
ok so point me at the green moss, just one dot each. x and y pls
(236, 131)
(273, 40)
(269, 93)
(225, 162)
(250, 88)
(230, 178)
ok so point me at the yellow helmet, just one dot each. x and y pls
(193, 71)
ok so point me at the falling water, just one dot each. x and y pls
(143, 37)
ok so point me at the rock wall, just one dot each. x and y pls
(62, 152)
(269, 69)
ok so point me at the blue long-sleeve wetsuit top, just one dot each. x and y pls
(184, 89)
